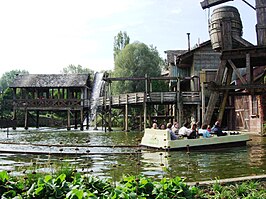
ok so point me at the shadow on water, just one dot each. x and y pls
(114, 154)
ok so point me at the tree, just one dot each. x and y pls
(6, 92)
(120, 42)
(72, 69)
(9, 77)
(136, 60)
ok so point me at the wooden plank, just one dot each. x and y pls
(237, 72)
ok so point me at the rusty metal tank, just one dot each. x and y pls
(225, 23)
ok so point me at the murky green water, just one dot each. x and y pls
(114, 154)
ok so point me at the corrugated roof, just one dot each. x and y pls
(50, 80)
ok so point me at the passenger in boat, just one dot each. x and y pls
(172, 134)
(162, 126)
(154, 125)
(184, 130)
(216, 129)
(194, 133)
(175, 128)
(204, 132)
(209, 128)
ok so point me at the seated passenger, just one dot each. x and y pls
(154, 126)
(172, 135)
(204, 132)
(175, 128)
(194, 133)
(217, 129)
(184, 130)
(162, 126)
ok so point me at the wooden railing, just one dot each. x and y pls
(191, 97)
(153, 97)
(50, 103)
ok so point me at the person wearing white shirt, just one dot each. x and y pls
(184, 130)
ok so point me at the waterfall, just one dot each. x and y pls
(96, 92)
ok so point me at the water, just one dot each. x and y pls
(114, 154)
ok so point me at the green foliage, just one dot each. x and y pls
(79, 187)
(8, 77)
(120, 42)
(72, 69)
(136, 60)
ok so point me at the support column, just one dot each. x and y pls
(202, 101)
(68, 120)
(215, 94)
(76, 120)
(126, 117)
(110, 118)
(140, 122)
(26, 119)
(37, 118)
(198, 113)
(81, 120)
(225, 96)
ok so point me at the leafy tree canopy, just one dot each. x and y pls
(72, 69)
(136, 60)
(9, 77)
(120, 42)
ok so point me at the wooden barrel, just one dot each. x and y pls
(224, 20)
(261, 22)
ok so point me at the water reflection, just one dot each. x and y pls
(114, 154)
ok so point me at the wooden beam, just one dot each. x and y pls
(237, 72)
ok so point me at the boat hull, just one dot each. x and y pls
(160, 139)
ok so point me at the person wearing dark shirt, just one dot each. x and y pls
(216, 129)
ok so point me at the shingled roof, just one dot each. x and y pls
(50, 81)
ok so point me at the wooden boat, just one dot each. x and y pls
(160, 139)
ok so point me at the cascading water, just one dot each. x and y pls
(96, 91)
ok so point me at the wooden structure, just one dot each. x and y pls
(250, 59)
(195, 68)
(52, 92)
(144, 100)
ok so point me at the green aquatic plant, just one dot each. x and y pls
(77, 186)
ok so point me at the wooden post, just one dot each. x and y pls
(140, 121)
(81, 120)
(249, 70)
(76, 120)
(215, 94)
(37, 118)
(198, 113)
(87, 120)
(26, 119)
(126, 114)
(145, 101)
(225, 96)
(110, 118)
(68, 120)
(202, 101)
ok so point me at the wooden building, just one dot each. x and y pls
(52, 92)
(196, 69)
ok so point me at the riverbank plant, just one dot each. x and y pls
(77, 186)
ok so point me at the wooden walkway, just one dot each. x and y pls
(150, 98)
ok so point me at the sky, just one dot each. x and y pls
(44, 36)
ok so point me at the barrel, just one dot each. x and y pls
(224, 20)
(261, 22)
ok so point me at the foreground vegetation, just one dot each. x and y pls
(73, 185)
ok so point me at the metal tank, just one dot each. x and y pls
(225, 23)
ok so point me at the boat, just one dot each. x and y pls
(160, 139)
